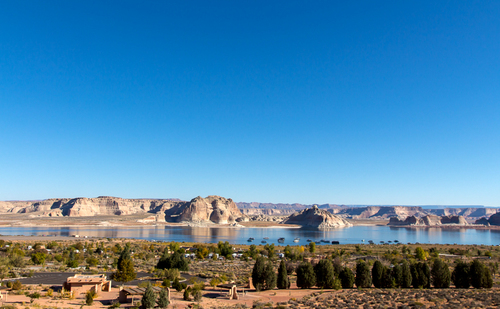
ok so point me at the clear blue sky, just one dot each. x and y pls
(349, 102)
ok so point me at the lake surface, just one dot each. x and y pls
(350, 235)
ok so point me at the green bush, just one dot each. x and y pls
(89, 300)
(17, 285)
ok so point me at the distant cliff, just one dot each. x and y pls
(492, 220)
(367, 212)
(429, 220)
(213, 208)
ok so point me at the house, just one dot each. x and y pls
(82, 283)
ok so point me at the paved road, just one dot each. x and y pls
(59, 278)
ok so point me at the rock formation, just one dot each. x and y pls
(316, 218)
(429, 220)
(214, 209)
(492, 220)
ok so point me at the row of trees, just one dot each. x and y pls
(327, 275)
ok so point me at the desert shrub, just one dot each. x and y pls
(17, 285)
(166, 283)
(196, 293)
(178, 286)
(89, 300)
(49, 293)
(186, 295)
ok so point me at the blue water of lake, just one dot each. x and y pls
(350, 235)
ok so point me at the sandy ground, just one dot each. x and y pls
(211, 298)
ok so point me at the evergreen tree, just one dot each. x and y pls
(363, 278)
(270, 277)
(125, 271)
(387, 279)
(397, 275)
(325, 274)
(163, 299)
(196, 293)
(258, 273)
(89, 300)
(226, 250)
(440, 274)
(149, 298)
(187, 292)
(406, 275)
(346, 278)
(283, 281)
(174, 260)
(306, 277)
(337, 266)
(461, 276)
(480, 275)
(377, 274)
(421, 275)
(312, 247)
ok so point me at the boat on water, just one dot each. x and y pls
(281, 239)
(250, 239)
(309, 240)
(263, 241)
(324, 240)
(296, 239)
(335, 242)
(266, 237)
